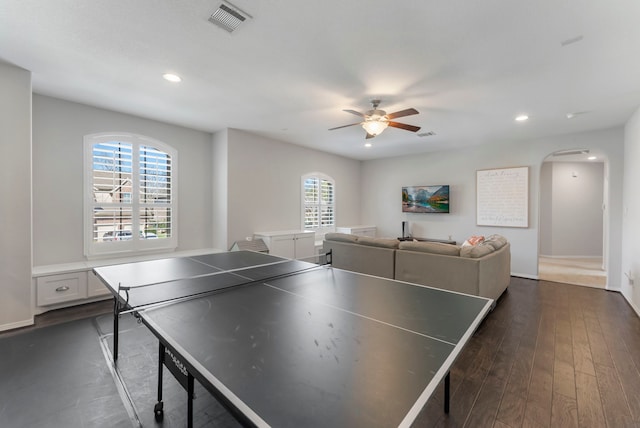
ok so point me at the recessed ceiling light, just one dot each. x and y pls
(592, 158)
(367, 145)
(522, 118)
(174, 78)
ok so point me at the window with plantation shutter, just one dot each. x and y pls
(130, 198)
(318, 202)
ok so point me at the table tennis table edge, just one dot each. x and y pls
(205, 377)
(415, 410)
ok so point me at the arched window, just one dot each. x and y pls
(318, 202)
(130, 194)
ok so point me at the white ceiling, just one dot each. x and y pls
(468, 67)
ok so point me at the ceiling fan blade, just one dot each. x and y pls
(344, 126)
(369, 136)
(402, 113)
(404, 126)
(357, 113)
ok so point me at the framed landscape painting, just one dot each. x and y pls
(425, 199)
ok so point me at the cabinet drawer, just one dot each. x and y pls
(53, 289)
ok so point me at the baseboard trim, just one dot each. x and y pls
(524, 275)
(634, 307)
(570, 257)
(17, 324)
(39, 310)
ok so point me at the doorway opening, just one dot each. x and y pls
(573, 233)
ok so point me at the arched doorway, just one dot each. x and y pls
(573, 209)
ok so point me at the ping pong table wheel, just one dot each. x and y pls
(159, 411)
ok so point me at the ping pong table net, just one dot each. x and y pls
(145, 296)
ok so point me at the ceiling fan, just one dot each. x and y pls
(375, 121)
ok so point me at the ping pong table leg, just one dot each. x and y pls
(447, 386)
(190, 401)
(158, 409)
(116, 317)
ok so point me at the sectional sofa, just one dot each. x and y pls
(483, 269)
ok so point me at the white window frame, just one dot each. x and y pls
(135, 245)
(320, 176)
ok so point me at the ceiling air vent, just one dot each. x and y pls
(570, 152)
(228, 17)
(426, 134)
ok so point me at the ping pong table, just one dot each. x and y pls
(282, 342)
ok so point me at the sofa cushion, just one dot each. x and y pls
(476, 251)
(496, 241)
(378, 242)
(341, 237)
(431, 247)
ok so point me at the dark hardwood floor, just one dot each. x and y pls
(58, 316)
(549, 355)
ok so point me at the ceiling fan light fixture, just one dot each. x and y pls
(375, 127)
(375, 121)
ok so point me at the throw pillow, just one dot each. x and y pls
(473, 240)
(476, 251)
(496, 241)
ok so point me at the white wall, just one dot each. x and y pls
(58, 130)
(264, 192)
(383, 178)
(220, 195)
(15, 194)
(231, 184)
(571, 209)
(546, 205)
(631, 213)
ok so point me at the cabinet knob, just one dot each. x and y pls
(62, 288)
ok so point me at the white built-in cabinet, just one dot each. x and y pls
(293, 244)
(60, 288)
(69, 284)
(369, 231)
